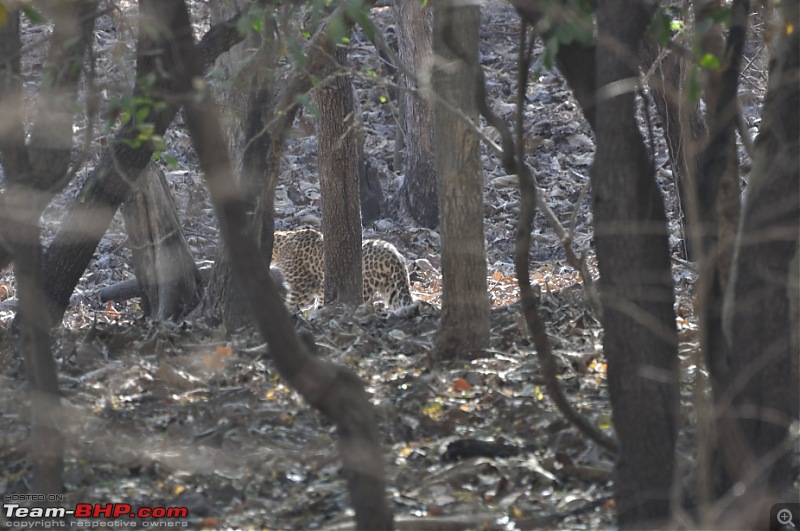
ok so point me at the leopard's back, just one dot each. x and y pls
(299, 255)
(385, 273)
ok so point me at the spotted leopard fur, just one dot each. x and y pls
(298, 254)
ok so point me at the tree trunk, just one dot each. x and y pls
(251, 88)
(760, 312)
(46, 442)
(370, 190)
(338, 139)
(164, 266)
(87, 218)
(335, 391)
(635, 283)
(714, 220)
(464, 326)
(33, 174)
(575, 60)
(50, 144)
(683, 128)
(419, 194)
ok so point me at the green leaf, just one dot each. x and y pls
(694, 87)
(564, 34)
(296, 51)
(158, 142)
(142, 113)
(337, 29)
(146, 131)
(352, 8)
(359, 13)
(550, 52)
(32, 15)
(719, 16)
(259, 15)
(169, 160)
(661, 28)
(133, 143)
(242, 25)
(305, 101)
(709, 61)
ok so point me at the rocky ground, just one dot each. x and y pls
(191, 415)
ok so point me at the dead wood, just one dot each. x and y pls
(87, 219)
(168, 279)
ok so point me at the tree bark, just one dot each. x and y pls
(760, 308)
(714, 220)
(635, 282)
(369, 189)
(575, 61)
(88, 218)
(464, 326)
(684, 131)
(338, 138)
(46, 454)
(164, 266)
(41, 165)
(299, 81)
(249, 142)
(419, 193)
(49, 148)
(335, 391)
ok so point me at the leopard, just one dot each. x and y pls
(299, 255)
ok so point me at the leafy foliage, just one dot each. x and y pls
(566, 22)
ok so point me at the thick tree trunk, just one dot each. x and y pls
(464, 326)
(30, 170)
(88, 218)
(760, 311)
(635, 283)
(683, 128)
(714, 220)
(50, 144)
(575, 61)
(419, 193)
(370, 190)
(338, 138)
(249, 144)
(46, 454)
(167, 275)
(335, 391)
(318, 50)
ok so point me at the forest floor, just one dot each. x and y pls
(195, 416)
